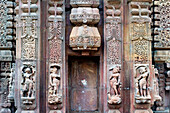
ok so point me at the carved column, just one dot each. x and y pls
(113, 48)
(7, 33)
(27, 56)
(55, 56)
(143, 95)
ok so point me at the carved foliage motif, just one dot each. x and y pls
(28, 84)
(55, 42)
(113, 43)
(29, 35)
(140, 31)
(141, 42)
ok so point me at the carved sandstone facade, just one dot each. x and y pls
(97, 56)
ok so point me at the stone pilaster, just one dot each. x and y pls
(55, 56)
(27, 56)
(143, 75)
(113, 47)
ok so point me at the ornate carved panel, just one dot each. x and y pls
(141, 42)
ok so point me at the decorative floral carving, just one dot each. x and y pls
(113, 43)
(55, 42)
(115, 86)
(29, 35)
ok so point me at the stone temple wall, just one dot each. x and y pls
(131, 39)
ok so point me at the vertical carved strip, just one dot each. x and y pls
(55, 55)
(113, 39)
(27, 59)
(143, 71)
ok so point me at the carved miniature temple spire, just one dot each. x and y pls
(27, 55)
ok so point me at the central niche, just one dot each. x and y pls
(83, 84)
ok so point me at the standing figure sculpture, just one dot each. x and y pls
(142, 81)
(114, 80)
(54, 95)
(142, 94)
(54, 80)
(28, 89)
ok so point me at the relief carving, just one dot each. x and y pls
(28, 85)
(142, 83)
(54, 94)
(29, 35)
(55, 54)
(115, 86)
(141, 42)
(114, 45)
(83, 36)
(162, 35)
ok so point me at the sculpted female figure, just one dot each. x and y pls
(142, 79)
(115, 80)
(54, 80)
(28, 84)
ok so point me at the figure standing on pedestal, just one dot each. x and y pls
(114, 80)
